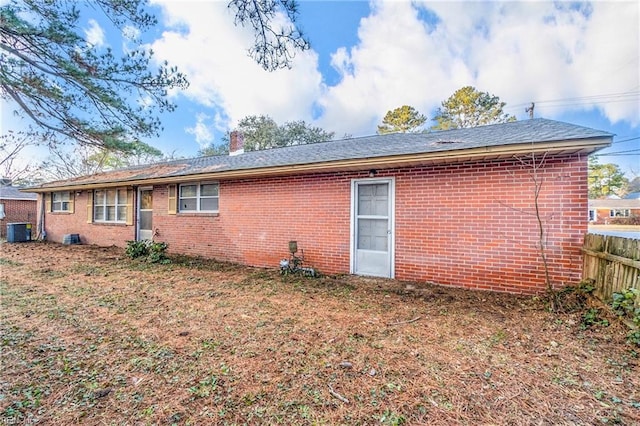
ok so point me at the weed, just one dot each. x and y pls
(592, 317)
(204, 387)
(9, 262)
(391, 418)
(624, 305)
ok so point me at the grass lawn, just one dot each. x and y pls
(91, 337)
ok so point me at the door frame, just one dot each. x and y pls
(138, 200)
(391, 181)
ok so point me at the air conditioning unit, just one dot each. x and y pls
(18, 232)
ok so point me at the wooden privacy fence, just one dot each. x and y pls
(613, 263)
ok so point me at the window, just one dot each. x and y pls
(199, 197)
(110, 205)
(2, 215)
(619, 213)
(61, 201)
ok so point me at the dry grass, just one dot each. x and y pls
(91, 337)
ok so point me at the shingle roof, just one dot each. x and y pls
(623, 203)
(534, 131)
(12, 193)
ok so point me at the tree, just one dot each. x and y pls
(76, 89)
(213, 149)
(468, 107)
(81, 91)
(605, 179)
(262, 132)
(273, 48)
(12, 144)
(88, 160)
(401, 120)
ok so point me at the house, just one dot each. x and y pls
(454, 207)
(609, 211)
(16, 206)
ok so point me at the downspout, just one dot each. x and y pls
(41, 232)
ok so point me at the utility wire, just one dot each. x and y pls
(582, 99)
(622, 152)
(626, 140)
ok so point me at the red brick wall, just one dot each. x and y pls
(470, 225)
(603, 216)
(17, 211)
(59, 224)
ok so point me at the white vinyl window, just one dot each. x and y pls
(619, 213)
(199, 197)
(110, 205)
(61, 201)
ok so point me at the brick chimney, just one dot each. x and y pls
(236, 143)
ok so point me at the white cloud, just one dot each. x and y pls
(204, 43)
(519, 51)
(94, 34)
(201, 131)
(129, 32)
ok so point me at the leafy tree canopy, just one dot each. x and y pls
(273, 47)
(74, 90)
(605, 179)
(401, 120)
(468, 107)
(262, 132)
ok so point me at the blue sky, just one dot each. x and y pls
(579, 62)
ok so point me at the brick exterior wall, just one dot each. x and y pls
(603, 216)
(58, 224)
(467, 225)
(18, 211)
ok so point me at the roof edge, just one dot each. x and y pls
(585, 146)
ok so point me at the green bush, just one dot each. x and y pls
(136, 249)
(624, 305)
(153, 252)
(157, 253)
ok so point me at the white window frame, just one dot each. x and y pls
(61, 205)
(619, 213)
(119, 203)
(198, 197)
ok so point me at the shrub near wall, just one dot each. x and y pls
(633, 220)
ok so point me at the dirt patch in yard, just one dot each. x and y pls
(91, 337)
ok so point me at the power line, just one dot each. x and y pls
(626, 140)
(622, 152)
(595, 100)
(582, 99)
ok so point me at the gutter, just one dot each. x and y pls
(580, 146)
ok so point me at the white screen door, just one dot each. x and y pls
(372, 228)
(145, 214)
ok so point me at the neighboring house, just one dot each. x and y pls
(16, 207)
(454, 207)
(609, 210)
